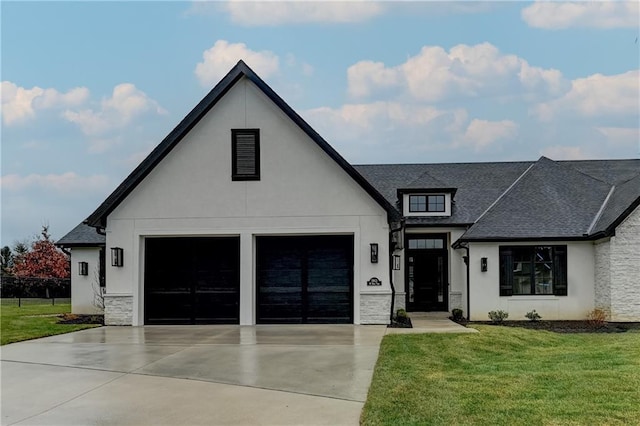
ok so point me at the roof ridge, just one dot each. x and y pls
(506, 191)
(600, 211)
(426, 172)
(581, 172)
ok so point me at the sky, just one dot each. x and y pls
(90, 88)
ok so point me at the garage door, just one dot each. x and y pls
(192, 280)
(305, 279)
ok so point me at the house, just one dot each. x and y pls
(244, 214)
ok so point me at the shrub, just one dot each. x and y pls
(596, 318)
(401, 320)
(533, 316)
(497, 317)
(457, 315)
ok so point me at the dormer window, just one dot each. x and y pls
(427, 203)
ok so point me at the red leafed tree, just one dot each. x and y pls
(43, 260)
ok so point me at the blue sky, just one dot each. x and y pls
(89, 88)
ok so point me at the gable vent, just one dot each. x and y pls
(246, 154)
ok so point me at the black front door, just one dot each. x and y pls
(192, 280)
(427, 278)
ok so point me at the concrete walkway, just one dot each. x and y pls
(195, 375)
(431, 322)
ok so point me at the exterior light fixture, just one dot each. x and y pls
(83, 268)
(374, 252)
(483, 264)
(116, 256)
(396, 262)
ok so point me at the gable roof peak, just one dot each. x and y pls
(98, 218)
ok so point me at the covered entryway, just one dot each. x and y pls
(305, 280)
(427, 273)
(193, 280)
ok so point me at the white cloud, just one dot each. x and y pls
(481, 134)
(587, 14)
(464, 71)
(219, 59)
(558, 152)
(596, 96)
(20, 104)
(621, 137)
(271, 13)
(66, 183)
(409, 130)
(126, 103)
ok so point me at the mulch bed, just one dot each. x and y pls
(400, 322)
(565, 326)
(81, 319)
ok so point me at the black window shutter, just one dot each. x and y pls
(506, 272)
(246, 154)
(560, 271)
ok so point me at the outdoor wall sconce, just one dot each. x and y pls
(483, 264)
(396, 262)
(116, 256)
(374, 252)
(83, 268)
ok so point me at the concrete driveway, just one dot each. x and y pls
(190, 375)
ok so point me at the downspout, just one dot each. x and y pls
(393, 288)
(467, 261)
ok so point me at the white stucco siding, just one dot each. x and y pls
(485, 286)
(625, 270)
(85, 288)
(301, 191)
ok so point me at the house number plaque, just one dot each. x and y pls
(374, 282)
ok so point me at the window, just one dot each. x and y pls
(533, 270)
(426, 203)
(426, 243)
(245, 148)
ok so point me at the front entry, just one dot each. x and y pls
(427, 278)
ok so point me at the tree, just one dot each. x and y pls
(43, 260)
(7, 259)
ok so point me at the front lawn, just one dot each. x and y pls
(506, 376)
(34, 320)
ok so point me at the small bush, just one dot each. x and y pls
(497, 317)
(533, 316)
(457, 315)
(401, 320)
(596, 318)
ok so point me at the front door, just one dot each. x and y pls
(427, 278)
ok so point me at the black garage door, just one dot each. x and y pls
(305, 279)
(192, 280)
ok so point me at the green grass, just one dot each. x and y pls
(33, 320)
(506, 376)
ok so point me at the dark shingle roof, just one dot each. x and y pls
(624, 199)
(478, 185)
(551, 200)
(555, 199)
(82, 235)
